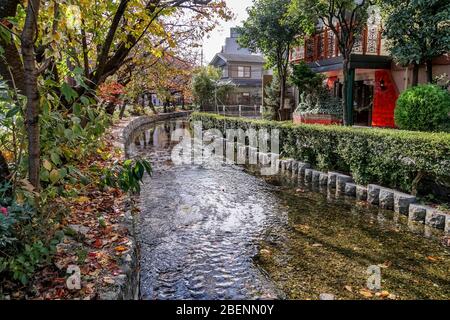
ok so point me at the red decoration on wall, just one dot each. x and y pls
(331, 81)
(385, 98)
(316, 119)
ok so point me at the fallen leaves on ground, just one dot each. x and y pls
(385, 264)
(301, 227)
(97, 244)
(446, 241)
(366, 293)
(348, 288)
(432, 259)
(382, 294)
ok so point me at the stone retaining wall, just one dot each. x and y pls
(127, 285)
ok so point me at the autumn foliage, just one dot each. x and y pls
(111, 92)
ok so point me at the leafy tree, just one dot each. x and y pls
(417, 32)
(112, 94)
(54, 56)
(73, 47)
(346, 18)
(272, 100)
(203, 85)
(270, 30)
(207, 88)
(304, 78)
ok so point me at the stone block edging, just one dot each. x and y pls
(383, 197)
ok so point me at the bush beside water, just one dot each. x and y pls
(423, 108)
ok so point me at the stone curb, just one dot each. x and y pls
(385, 198)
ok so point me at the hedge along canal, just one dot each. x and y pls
(211, 232)
(397, 159)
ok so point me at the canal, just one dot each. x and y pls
(224, 232)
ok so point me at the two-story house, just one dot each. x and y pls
(243, 69)
(376, 79)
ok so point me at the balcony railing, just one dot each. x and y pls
(323, 45)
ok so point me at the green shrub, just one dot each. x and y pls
(305, 79)
(392, 158)
(22, 248)
(127, 175)
(423, 108)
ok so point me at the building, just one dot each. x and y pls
(376, 79)
(243, 69)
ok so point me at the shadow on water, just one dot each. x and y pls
(228, 233)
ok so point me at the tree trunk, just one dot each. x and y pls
(122, 110)
(31, 92)
(429, 71)
(11, 68)
(152, 106)
(282, 96)
(4, 174)
(415, 78)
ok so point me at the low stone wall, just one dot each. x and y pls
(127, 285)
(343, 185)
(145, 120)
(385, 198)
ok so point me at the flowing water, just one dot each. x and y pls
(224, 232)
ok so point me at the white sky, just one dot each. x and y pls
(214, 41)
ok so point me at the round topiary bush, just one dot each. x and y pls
(423, 108)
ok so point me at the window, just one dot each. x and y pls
(244, 72)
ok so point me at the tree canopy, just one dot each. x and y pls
(270, 29)
(417, 31)
(60, 52)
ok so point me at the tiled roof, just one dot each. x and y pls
(246, 82)
(228, 57)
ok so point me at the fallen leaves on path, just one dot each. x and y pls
(95, 239)
(366, 293)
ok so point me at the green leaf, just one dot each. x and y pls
(77, 109)
(54, 176)
(69, 94)
(47, 165)
(12, 112)
(68, 133)
(44, 175)
(62, 173)
(55, 158)
(85, 101)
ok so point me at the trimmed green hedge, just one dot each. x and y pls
(392, 158)
(423, 108)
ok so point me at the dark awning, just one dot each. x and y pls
(357, 61)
